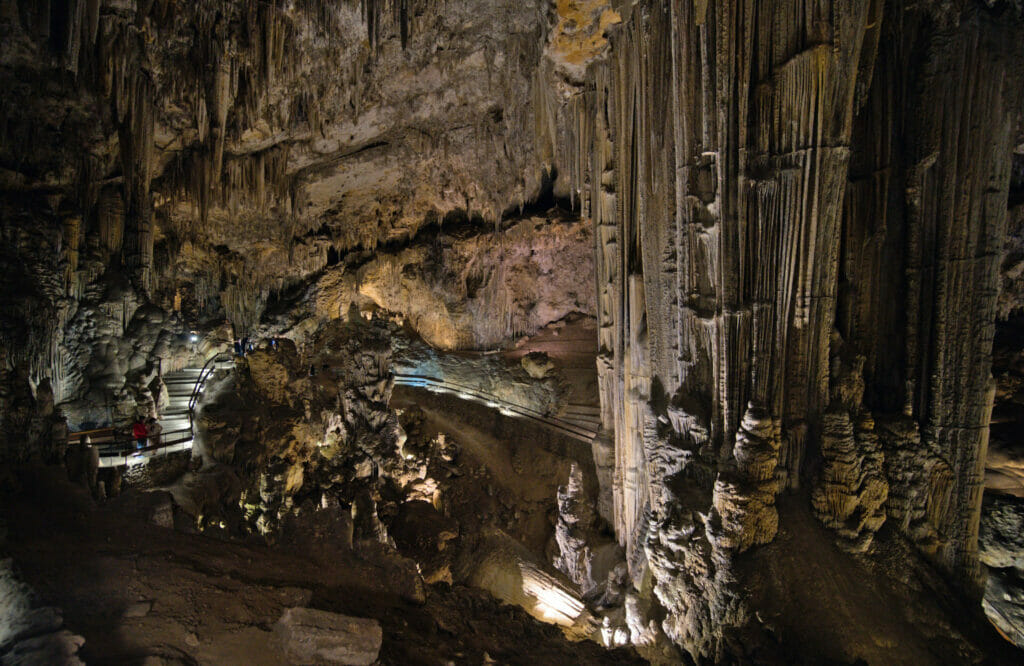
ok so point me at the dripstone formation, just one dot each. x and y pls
(799, 213)
(788, 218)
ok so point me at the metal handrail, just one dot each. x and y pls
(124, 445)
(203, 375)
(120, 445)
(566, 427)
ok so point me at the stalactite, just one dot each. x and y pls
(399, 14)
(717, 220)
(137, 157)
(110, 219)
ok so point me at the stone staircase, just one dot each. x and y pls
(174, 417)
(175, 420)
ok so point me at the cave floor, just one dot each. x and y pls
(135, 590)
(827, 605)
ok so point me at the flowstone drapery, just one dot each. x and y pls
(787, 199)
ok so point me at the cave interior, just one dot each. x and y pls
(511, 332)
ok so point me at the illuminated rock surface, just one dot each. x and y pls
(1002, 551)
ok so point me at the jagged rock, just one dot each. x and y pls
(270, 375)
(366, 519)
(1004, 603)
(1001, 536)
(537, 364)
(59, 648)
(420, 531)
(919, 486)
(323, 530)
(1001, 549)
(584, 555)
(32, 634)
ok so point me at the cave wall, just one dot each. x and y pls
(220, 149)
(202, 157)
(799, 213)
(472, 287)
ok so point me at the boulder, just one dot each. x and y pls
(1001, 546)
(59, 648)
(537, 364)
(316, 637)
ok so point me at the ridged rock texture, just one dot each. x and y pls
(771, 187)
(797, 212)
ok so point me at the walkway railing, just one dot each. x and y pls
(204, 374)
(508, 409)
(117, 447)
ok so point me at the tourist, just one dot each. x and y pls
(140, 434)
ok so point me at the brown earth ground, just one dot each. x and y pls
(825, 605)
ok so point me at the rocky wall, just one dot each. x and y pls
(460, 286)
(207, 157)
(778, 195)
(233, 144)
(203, 157)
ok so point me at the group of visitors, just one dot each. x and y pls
(244, 346)
(146, 432)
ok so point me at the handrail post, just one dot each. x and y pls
(193, 399)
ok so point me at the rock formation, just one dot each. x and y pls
(1001, 551)
(586, 556)
(314, 637)
(30, 633)
(789, 219)
(756, 180)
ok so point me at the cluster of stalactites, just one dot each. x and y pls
(735, 229)
(374, 13)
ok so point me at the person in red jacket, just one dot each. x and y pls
(140, 433)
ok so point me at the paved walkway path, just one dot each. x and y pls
(177, 432)
(577, 421)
